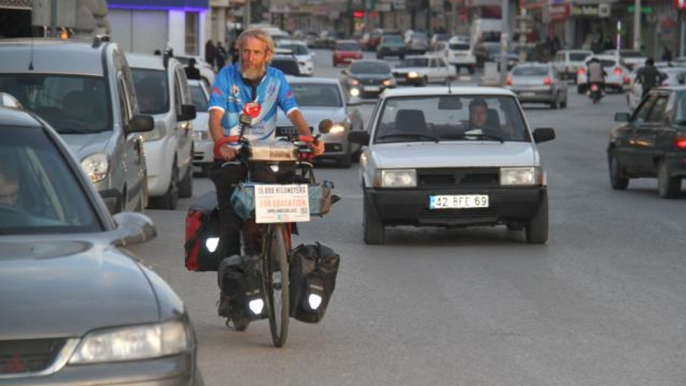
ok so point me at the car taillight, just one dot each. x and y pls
(546, 81)
(618, 71)
(627, 80)
(680, 143)
(581, 71)
(508, 81)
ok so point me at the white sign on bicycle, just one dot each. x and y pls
(276, 203)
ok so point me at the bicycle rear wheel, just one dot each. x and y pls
(276, 282)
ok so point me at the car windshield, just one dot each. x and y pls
(680, 117)
(459, 46)
(71, 104)
(297, 49)
(198, 97)
(492, 48)
(39, 192)
(631, 54)
(447, 118)
(577, 57)
(395, 40)
(152, 90)
(414, 62)
(370, 68)
(530, 71)
(347, 47)
(317, 95)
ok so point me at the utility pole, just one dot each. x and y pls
(504, 36)
(453, 17)
(637, 25)
(246, 15)
(53, 18)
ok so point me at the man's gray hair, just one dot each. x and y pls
(256, 33)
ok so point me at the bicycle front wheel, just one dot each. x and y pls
(276, 282)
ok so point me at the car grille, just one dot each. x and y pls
(458, 178)
(282, 131)
(28, 356)
(456, 214)
(370, 81)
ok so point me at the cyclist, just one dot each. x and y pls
(249, 80)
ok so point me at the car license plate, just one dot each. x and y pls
(528, 94)
(458, 201)
(372, 88)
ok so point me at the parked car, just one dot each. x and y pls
(630, 58)
(417, 42)
(324, 98)
(420, 70)
(568, 62)
(203, 145)
(345, 51)
(287, 63)
(617, 74)
(85, 91)
(206, 70)
(490, 52)
(78, 308)
(327, 39)
(538, 83)
(438, 38)
(392, 45)
(651, 142)
(675, 76)
(367, 78)
(162, 91)
(371, 40)
(426, 163)
(311, 39)
(301, 53)
(461, 54)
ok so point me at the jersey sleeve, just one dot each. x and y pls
(287, 101)
(220, 91)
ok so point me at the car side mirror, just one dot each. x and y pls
(325, 126)
(622, 117)
(140, 124)
(359, 137)
(133, 228)
(187, 113)
(544, 134)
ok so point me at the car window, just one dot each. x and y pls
(125, 108)
(413, 119)
(71, 104)
(577, 57)
(297, 49)
(657, 113)
(40, 192)
(347, 47)
(198, 97)
(459, 46)
(530, 71)
(152, 90)
(317, 95)
(643, 109)
(680, 116)
(414, 62)
(370, 68)
(178, 99)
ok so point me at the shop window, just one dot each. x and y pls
(192, 34)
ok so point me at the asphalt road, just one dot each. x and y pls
(602, 303)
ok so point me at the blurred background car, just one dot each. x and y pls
(630, 58)
(461, 54)
(370, 40)
(538, 83)
(392, 45)
(490, 52)
(420, 70)
(310, 39)
(327, 39)
(323, 98)
(568, 62)
(438, 38)
(367, 78)
(203, 145)
(675, 76)
(417, 42)
(78, 307)
(617, 74)
(302, 55)
(345, 51)
(285, 62)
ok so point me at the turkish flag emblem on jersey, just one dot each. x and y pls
(252, 109)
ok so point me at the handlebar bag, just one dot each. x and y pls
(313, 271)
(202, 223)
(320, 198)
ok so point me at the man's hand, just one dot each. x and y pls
(317, 147)
(227, 152)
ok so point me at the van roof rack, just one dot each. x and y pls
(99, 39)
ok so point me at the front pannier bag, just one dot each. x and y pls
(313, 271)
(202, 223)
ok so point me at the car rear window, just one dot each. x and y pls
(530, 71)
(414, 62)
(347, 47)
(459, 46)
(577, 57)
(317, 95)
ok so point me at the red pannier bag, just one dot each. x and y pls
(202, 234)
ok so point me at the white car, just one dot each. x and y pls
(302, 54)
(631, 58)
(461, 54)
(426, 163)
(162, 91)
(203, 145)
(675, 76)
(568, 62)
(420, 70)
(616, 78)
(324, 98)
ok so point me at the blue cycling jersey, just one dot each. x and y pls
(230, 93)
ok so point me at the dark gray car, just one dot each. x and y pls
(78, 308)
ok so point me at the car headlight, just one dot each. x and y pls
(354, 92)
(200, 135)
(389, 82)
(396, 178)
(132, 343)
(158, 132)
(521, 176)
(412, 74)
(96, 166)
(354, 82)
(337, 128)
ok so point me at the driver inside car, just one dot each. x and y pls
(9, 184)
(478, 119)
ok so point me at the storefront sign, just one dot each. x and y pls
(584, 10)
(646, 10)
(398, 4)
(679, 4)
(603, 10)
(558, 12)
(532, 4)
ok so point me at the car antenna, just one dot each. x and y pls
(450, 88)
(31, 57)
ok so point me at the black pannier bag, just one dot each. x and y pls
(240, 279)
(313, 270)
(202, 223)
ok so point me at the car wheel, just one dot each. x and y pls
(617, 179)
(186, 185)
(668, 187)
(171, 197)
(555, 104)
(471, 69)
(537, 226)
(563, 104)
(423, 82)
(374, 232)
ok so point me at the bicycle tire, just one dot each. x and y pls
(276, 282)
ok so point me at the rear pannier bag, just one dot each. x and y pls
(313, 270)
(202, 223)
(240, 278)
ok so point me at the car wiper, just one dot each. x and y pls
(485, 134)
(410, 135)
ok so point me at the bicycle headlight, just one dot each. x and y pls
(133, 342)
(521, 176)
(396, 178)
(96, 166)
(158, 132)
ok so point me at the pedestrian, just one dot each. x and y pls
(649, 77)
(233, 51)
(667, 55)
(220, 56)
(210, 53)
(192, 72)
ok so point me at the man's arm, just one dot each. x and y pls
(298, 120)
(226, 152)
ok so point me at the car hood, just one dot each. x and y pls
(66, 288)
(86, 144)
(454, 154)
(314, 115)
(405, 70)
(371, 76)
(200, 121)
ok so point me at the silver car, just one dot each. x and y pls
(538, 83)
(323, 98)
(85, 91)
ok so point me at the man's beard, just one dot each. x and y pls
(252, 73)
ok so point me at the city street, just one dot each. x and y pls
(602, 303)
